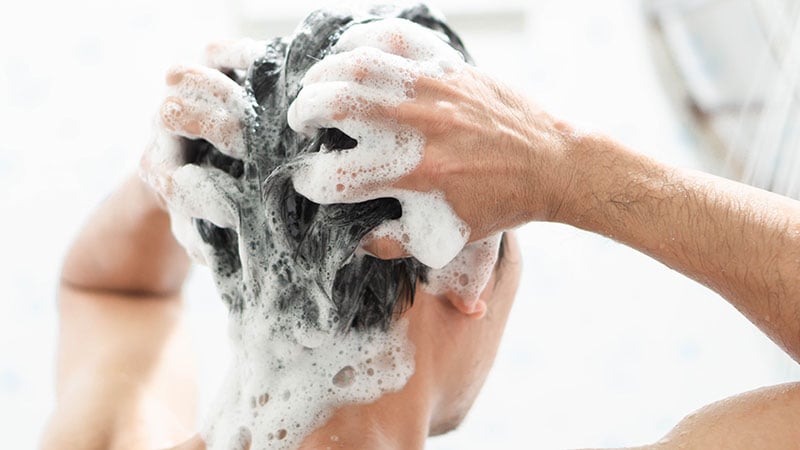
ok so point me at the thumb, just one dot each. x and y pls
(383, 247)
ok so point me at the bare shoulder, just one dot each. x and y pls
(766, 418)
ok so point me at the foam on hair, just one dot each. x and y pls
(377, 65)
(314, 324)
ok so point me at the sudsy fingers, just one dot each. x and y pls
(366, 65)
(195, 119)
(161, 158)
(360, 90)
(191, 190)
(335, 104)
(206, 100)
(361, 173)
(429, 229)
(402, 38)
(204, 193)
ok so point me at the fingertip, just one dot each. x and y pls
(314, 73)
(385, 248)
(170, 113)
(316, 106)
(291, 116)
(175, 74)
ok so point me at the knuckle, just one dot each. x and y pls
(432, 169)
(441, 120)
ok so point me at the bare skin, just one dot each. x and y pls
(123, 357)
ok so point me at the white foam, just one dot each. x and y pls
(287, 375)
(201, 103)
(280, 390)
(377, 65)
(467, 274)
(427, 215)
(206, 104)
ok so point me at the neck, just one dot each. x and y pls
(396, 420)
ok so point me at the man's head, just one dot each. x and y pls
(296, 264)
(367, 292)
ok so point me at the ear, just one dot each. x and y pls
(473, 310)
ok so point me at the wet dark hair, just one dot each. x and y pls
(308, 243)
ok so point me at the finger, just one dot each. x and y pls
(365, 172)
(383, 247)
(204, 193)
(338, 104)
(324, 105)
(365, 64)
(199, 120)
(384, 152)
(428, 229)
(161, 158)
(208, 91)
(234, 54)
(399, 37)
(185, 232)
(197, 79)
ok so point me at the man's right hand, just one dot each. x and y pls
(499, 161)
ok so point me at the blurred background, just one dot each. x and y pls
(605, 347)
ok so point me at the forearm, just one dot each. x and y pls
(127, 247)
(740, 241)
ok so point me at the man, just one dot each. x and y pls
(125, 374)
(500, 163)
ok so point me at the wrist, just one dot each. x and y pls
(591, 167)
(560, 175)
